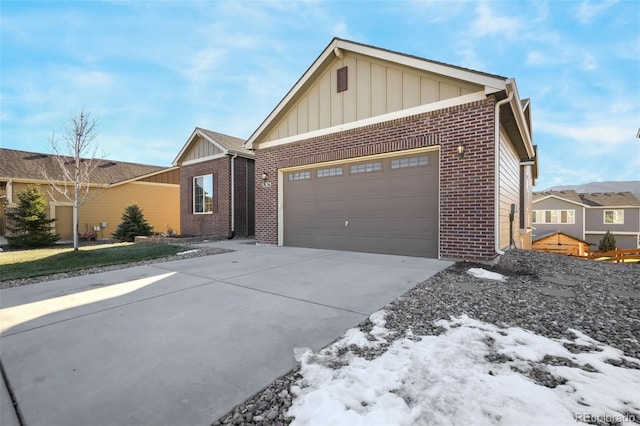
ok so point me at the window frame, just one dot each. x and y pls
(204, 192)
(329, 172)
(555, 216)
(616, 219)
(368, 167)
(406, 162)
(295, 176)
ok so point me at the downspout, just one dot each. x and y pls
(233, 197)
(496, 216)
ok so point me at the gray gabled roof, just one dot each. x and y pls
(231, 143)
(29, 166)
(610, 199)
(596, 199)
(569, 195)
(493, 83)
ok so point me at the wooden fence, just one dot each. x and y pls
(617, 255)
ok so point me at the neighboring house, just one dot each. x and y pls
(154, 189)
(378, 151)
(589, 216)
(561, 243)
(216, 186)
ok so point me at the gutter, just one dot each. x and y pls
(233, 196)
(496, 214)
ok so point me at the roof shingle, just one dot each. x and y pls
(25, 165)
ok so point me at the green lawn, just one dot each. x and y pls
(46, 261)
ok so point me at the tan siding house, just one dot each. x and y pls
(154, 189)
(379, 151)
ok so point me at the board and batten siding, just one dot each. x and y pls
(374, 87)
(509, 191)
(201, 148)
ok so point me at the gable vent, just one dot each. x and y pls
(342, 79)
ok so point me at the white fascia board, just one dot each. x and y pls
(185, 147)
(613, 232)
(558, 198)
(613, 207)
(518, 112)
(203, 159)
(425, 65)
(248, 155)
(491, 84)
(294, 90)
(461, 100)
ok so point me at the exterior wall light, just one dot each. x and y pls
(265, 176)
(460, 151)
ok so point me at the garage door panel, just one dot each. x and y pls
(385, 211)
(408, 226)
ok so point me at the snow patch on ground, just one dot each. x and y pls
(448, 380)
(187, 252)
(487, 275)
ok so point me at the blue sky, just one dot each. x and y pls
(151, 71)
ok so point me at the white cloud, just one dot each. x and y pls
(537, 57)
(340, 29)
(84, 79)
(469, 56)
(589, 62)
(588, 11)
(436, 11)
(598, 135)
(201, 64)
(489, 23)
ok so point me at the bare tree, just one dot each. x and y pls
(74, 151)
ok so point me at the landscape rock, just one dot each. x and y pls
(546, 293)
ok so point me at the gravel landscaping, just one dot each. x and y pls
(547, 294)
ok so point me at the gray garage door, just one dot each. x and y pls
(387, 205)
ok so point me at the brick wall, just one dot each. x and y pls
(466, 185)
(219, 222)
(241, 197)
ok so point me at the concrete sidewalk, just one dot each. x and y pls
(182, 342)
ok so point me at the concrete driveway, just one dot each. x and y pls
(182, 342)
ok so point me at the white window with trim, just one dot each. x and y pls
(615, 217)
(567, 217)
(203, 194)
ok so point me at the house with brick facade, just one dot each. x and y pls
(588, 216)
(216, 186)
(378, 151)
(114, 184)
